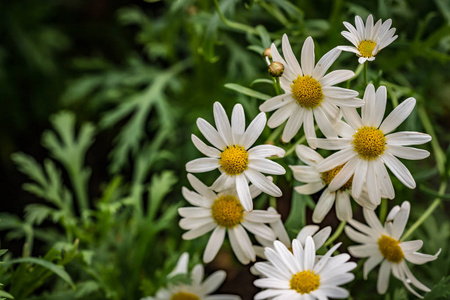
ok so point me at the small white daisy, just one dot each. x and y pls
(319, 236)
(368, 40)
(298, 275)
(232, 155)
(367, 145)
(309, 93)
(197, 289)
(315, 181)
(383, 245)
(223, 213)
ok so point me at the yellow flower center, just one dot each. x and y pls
(234, 160)
(305, 282)
(390, 249)
(184, 296)
(328, 176)
(369, 142)
(366, 47)
(227, 211)
(307, 91)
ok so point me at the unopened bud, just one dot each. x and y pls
(276, 69)
(267, 53)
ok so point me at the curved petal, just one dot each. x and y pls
(399, 170)
(289, 56)
(254, 130)
(325, 63)
(308, 57)
(237, 124)
(214, 244)
(262, 182)
(204, 164)
(211, 134)
(398, 115)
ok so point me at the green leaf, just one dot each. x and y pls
(441, 290)
(160, 186)
(6, 295)
(58, 270)
(246, 91)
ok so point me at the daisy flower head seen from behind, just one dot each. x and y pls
(309, 93)
(367, 146)
(222, 213)
(196, 288)
(316, 181)
(298, 275)
(232, 154)
(383, 244)
(368, 40)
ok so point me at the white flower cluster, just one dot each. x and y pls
(366, 145)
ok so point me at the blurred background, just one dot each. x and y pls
(142, 72)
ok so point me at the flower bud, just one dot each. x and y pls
(276, 69)
(267, 53)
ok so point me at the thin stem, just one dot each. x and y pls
(277, 85)
(298, 142)
(383, 209)
(336, 234)
(357, 72)
(232, 24)
(428, 212)
(365, 72)
(274, 135)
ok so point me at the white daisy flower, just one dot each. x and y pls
(367, 145)
(232, 155)
(368, 40)
(316, 181)
(383, 245)
(223, 213)
(309, 93)
(319, 236)
(298, 275)
(197, 289)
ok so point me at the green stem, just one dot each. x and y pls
(277, 85)
(275, 134)
(336, 234)
(357, 72)
(383, 209)
(427, 213)
(232, 24)
(298, 142)
(365, 72)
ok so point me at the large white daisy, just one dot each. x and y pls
(298, 275)
(369, 39)
(367, 145)
(381, 244)
(232, 155)
(223, 213)
(316, 181)
(309, 93)
(197, 289)
(319, 236)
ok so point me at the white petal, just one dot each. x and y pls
(306, 174)
(271, 271)
(334, 92)
(204, 164)
(243, 259)
(221, 182)
(282, 114)
(289, 55)
(369, 104)
(371, 263)
(365, 250)
(333, 143)
(272, 283)
(254, 130)
(357, 236)
(199, 231)
(359, 178)
(386, 187)
(324, 123)
(237, 124)
(274, 258)
(191, 223)
(359, 27)
(372, 184)
(287, 257)
(211, 134)
(379, 107)
(308, 230)
(214, 244)
(399, 170)
(335, 77)
(343, 206)
(276, 102)
(310, 253)
(262, 182)
(411, 246)
(309, 188)
(244, 241)
(325, 63)
(182, 265)
(308, 57)
(308, 155)
(321, 237)
(372, 220)
(205, 149)
(200, 187)
(213, 282)
(383, 277)
(398, 115)
(293, 124)
(194, 212)
(222, 123)
(347, 103)
(336, 159)
(407, 152)
(419, 258)
(259, 229)
(344, 175)
(197, 274)
(262, 216)
(406, 138)
(400, 221)
(195, 199)
(352, 117)
(243, 192)
(263, 151)
(266, 166)
(323, 206)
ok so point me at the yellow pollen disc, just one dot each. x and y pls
(369, 142)
(366, 47)
(307, 91)
(184, 296)
(328, 176)
(305, 282)
(390, 249)
(227, 211)
(234, 160)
